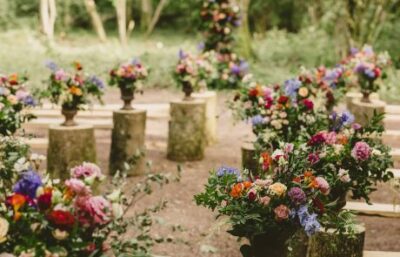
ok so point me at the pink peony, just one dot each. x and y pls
(281, 212)
(86, 170)
(330, 138)
(78, 186)
(99, 209)
(60, 75)
(361, 151)
(323, 185)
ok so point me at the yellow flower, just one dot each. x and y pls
(303, 92)
(4, 226)
(277, 189)
(60, 234)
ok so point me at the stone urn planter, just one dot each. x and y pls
(127, 96)
(69, 115)
(187, 88)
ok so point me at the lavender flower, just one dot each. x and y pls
(347, 118)
(29, 101)
(51, 65)
(308, 221)
(181, 54)
(201, 46)
(226, 170)
(28, 184)
(240, 68)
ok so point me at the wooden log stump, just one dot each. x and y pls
(186, 135)
(210, 97)
(69, 147)
(249, 160)
(363, 111)
(351, 96)
(127, 145)
(327, 243)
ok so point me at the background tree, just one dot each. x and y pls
(96, 20)
(48, 14)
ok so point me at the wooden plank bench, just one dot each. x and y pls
(376, 209)
(381, 254)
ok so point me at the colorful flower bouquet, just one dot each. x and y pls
(218, 20)
(193, 73)
(270, 209)
(231, 71)
(367, 68)
(44, 217)
(15, 99)
(126, 76)
(72, 90)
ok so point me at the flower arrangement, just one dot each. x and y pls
(71, 89)
(367, 68)
(270, 208)
(43, 217)
(194, 73)
(15, 99)
(126, 76)
(218, 20)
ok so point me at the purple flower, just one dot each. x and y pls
(29, 101)
(226, 170)
(241, 68)
(291, 87)
(51, 65)
(297, 195)
(135, 61)
(257, 120)
(181, 54)
(28, 184)
(347, 118)
(97, 82)
(361, 151)
(356, 126)
(201, 46)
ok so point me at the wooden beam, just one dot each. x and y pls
(376, 209)
(381, 254)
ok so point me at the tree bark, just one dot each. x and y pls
(120, 7)
(244, 30)
(96, 20)
(48, 14)
(156, 16)
(147, 10)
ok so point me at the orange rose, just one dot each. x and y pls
(75, 91)
(342, 139)
(236, 190)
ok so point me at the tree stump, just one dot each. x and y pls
(249, 160)
(69, 147)
(326, 243)
(127, 145)
(363, 111)
(210, 97)
(186, 136)
(351, 96)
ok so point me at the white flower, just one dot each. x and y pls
(344, 176)
(338, 148)
(285, 122)
(283, 115)
(4, 226)
(60, 234)
(115, 196)
(117, 210)
(21, 165)
(376, 152)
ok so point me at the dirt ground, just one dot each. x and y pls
(200, 233)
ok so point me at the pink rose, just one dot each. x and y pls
(281, 212)
(78, 186)
(323, 185)
(98, 209)
(361, 151)
(265, 200)
(86, 170)
(330, 138)
(60, 75)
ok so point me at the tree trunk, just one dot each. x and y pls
(121, 17)
(96, 20)
(48, 14)
(156, 16)
(52, 18)
(244, 30)
(145, 18)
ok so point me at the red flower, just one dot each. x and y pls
(377, 72)
(61, 219)
(317, 139)
(91, 247)
(283, 99)
(44, 201)
(253, 92)
(320, 206)
(308, 104)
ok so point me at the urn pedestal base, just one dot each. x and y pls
(127, 145)
(187, 128)
(69, 147)
(351, 96)
(326, 243)
(210, 98)
(363, 112)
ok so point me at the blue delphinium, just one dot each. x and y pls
(29, 101)
(347, 118)
(291, 87)
(226, 170)
(97, 81)
(257, 120)
(28, 184)
(340, 120)
(308, 221)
